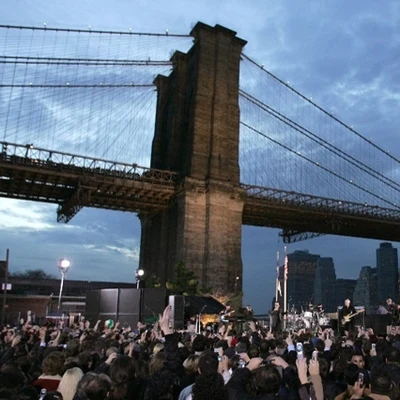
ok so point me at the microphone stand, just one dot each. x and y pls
(198, 321)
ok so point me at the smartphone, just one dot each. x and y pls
(299, 350)
(315, 355)
(374, 346)
(361, 378)
(242, 363)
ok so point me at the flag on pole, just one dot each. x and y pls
(278, 282)
(279, 288)
(286, 267)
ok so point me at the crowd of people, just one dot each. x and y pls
(231, 362)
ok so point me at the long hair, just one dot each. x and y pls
(69, 383)
(122, 374)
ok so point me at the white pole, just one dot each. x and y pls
(61, 289)
(285, 272)
(277, 276)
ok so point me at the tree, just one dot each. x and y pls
(185, 282)
(33, 274)
(153, 282)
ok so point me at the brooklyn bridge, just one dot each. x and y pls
(191, 134)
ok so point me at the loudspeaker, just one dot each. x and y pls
(177, 314)
(92, 306)
(153, 303)
(129, 307)
(108, 305)
(108, 301)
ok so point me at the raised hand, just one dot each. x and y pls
(164, 321)
(313, 367)
(302, 370)
(111, 358)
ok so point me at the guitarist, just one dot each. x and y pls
(348, 309)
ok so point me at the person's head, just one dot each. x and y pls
(199, 344)
(381, 382)
(157, 362)
(110, 351)
(241, 347)
(358, 359)
(191, 364)
(209, 386)
(158, 347)
(208, 364)
(253, 351)
(69, 383)
(276, 305)
(11, 377)
(347, 302)
(94, 386)
(85, 360)
(392, 355)
(234, 362)
(389, 301)
(351, 374)
(73, 347)
(122, 374)
(53, 364)
(267, 380)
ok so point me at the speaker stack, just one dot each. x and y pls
(128, 306)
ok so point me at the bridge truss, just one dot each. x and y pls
(74, 181)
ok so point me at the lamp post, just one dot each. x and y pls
(139, 273)
(63, 266)
(236, 284)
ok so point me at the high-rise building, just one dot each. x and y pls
(388, 272)
(301, 275)
(325, 284)
(366, 290)
(344, 290)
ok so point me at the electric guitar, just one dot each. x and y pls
(347, 318)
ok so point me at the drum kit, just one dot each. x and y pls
(306, 320)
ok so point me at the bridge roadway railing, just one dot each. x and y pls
(258, 195)
(29, 155)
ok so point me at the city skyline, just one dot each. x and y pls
(312, 273)
(341, 55)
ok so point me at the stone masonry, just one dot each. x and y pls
(197, 135)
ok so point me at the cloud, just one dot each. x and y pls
(17, 215)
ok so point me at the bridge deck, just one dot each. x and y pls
(303, 213)
(75, 182)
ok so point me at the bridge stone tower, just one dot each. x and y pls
(197, 135)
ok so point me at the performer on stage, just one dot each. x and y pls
(225, 314)
(276, 318)
(345, 320)
(248, 312)
(393, 310)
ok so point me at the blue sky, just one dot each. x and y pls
(343, 54)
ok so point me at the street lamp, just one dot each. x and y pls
(139, 273)
(63, 266)
(237, 283)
